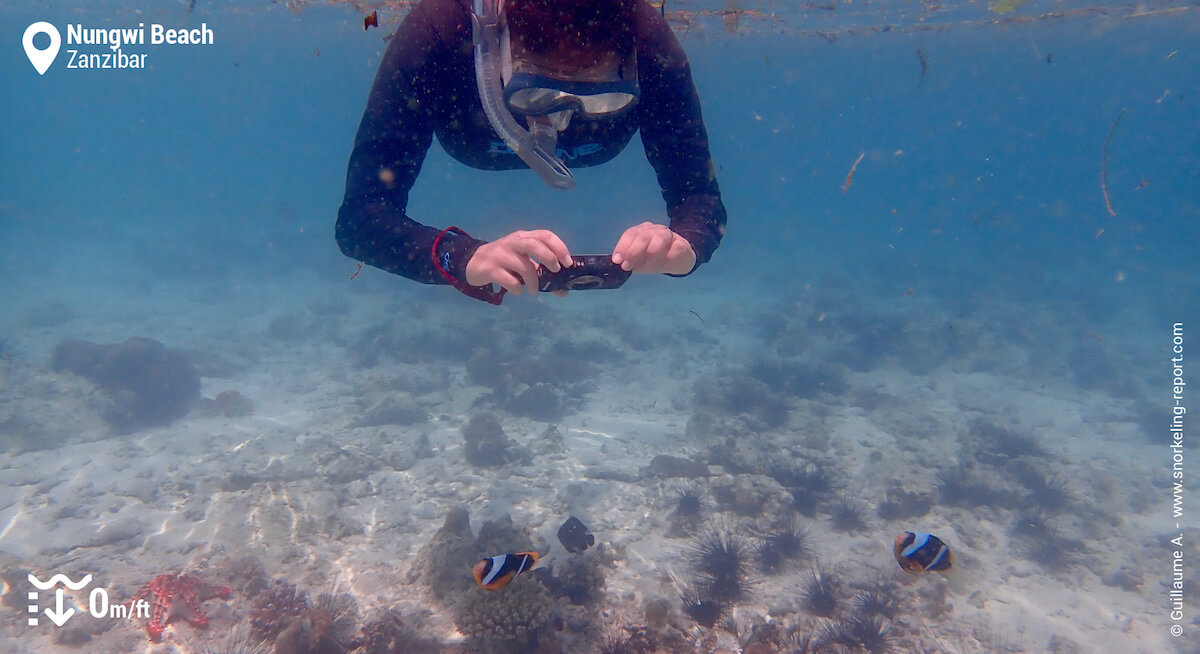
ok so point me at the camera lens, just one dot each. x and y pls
(584, 283)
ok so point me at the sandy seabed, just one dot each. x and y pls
(315, 496)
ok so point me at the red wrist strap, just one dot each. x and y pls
(484, 293)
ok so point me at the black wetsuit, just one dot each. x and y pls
(426, 86)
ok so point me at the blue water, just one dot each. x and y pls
(988, 172)
(978, 196)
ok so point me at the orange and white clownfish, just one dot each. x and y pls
(918, 552)
(494, 573)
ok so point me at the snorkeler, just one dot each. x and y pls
(509, 84)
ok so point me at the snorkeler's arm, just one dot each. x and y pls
(393, 138)
(674, 136)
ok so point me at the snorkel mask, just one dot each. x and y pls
(535, 93)
(531, 91)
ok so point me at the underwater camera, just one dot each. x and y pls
(589, 271)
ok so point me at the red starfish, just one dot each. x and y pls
(177, 596)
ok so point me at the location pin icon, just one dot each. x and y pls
(41, 59)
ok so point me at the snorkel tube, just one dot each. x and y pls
(535, 147)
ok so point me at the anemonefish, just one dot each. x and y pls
(917, 552)
(494, 573)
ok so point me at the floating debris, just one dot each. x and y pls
(1104, 163)
(850, 175)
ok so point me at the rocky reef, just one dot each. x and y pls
(145, 383)
(551, 609)
(487, 445)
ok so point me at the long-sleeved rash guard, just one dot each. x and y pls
(426, 86)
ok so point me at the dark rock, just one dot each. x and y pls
(540, 401)
(665, 465)
(147, 383)
(450, 554)
(550, 442)
(487, 445)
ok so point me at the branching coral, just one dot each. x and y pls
(580, 578)
(389, 633)
(508, 620)
(273, 607)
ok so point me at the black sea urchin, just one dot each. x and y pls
(720, 557)
(1053, 551)
(1031, 524)
(700, 606)
(332, 623)
(878, 600)
(788, 474)
(821, 592)
(777, 549)
(1050, 491)
(741, 628)
(800, 640)
(998, 443)
(689, 501)
(965, 487)
(615, 644)
(848, 514)
(809, 484)
(868, 634)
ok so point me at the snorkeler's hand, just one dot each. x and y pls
(652, 248)
(511, 261)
